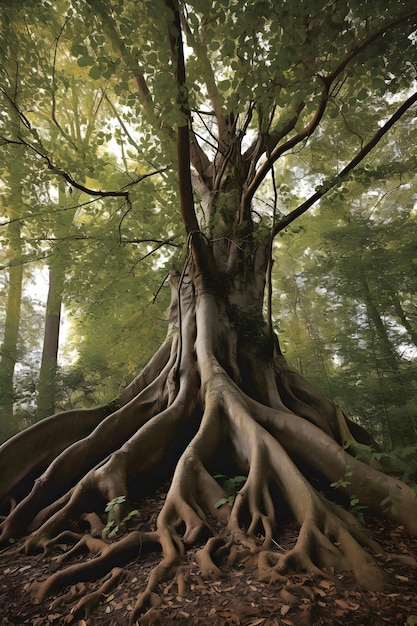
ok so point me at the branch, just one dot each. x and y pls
(118, 44)
(337, 180)
(183, 140)
(69, 179)
(366, 42)
(278, 150)
(198, 157)
(53, 86)
(304, 133)
(162, 242)
(200, 50)
(26, 261)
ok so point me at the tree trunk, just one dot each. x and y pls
(48, 369)
(9, 347)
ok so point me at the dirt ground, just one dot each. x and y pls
(237, 599)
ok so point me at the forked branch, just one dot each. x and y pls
(343, 175)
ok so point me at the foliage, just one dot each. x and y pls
(231, 486)
(345, 303)
(112, 528)
(402, 460)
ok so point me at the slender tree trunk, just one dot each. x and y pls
(47, 386)
(47, 376)
(9, 347)
(387, 365)
(388, 359)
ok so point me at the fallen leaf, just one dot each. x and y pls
(284, 609)
(350, 606)
(321, 592)
(325, 584)
(342, 604)
(287, 596)
(403, 579)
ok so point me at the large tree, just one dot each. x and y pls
(243, 93)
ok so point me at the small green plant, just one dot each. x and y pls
(357, 509)
(390, 504)
(345, 481)
(354, 503)
(231, 486)
(112, 528)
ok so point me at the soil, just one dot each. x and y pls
(237, 599)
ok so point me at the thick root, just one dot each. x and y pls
(90, 601)
(113, 555)
(175, 421)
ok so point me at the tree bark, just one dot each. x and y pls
(9, 348)
(48, 370)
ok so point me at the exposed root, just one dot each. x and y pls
(90, 601)
(206, 559)
(113, 555)
(69, 466)
(176, 418)
(319, 551)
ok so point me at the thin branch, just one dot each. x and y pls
(278, 150)
(337, 180)
(53, 109)
(145, 256)
(270, 259)
(57, 209)
(23, 261)
(368, 41)
(200, 50)
(69, 179)
(19, 113)
(156, 294)
(163, 242)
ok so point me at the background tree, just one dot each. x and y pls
(257, 84)
(347, 289)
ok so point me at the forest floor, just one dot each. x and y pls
(237, 599)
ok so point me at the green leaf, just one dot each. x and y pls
(220, 502)
(85, 61)
(385, 501)
(110, 505)
(78, 49)
(129, 516)
(214, 45)
(95, 72)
